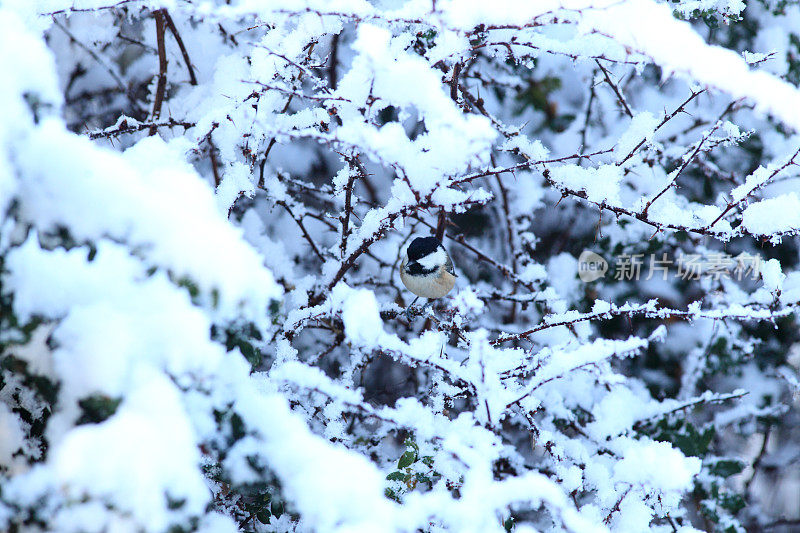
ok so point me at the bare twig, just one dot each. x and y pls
(215, 166)
(667, 118)
(299, 222)
(184, 53)
(704, 399)
(333, 60)
(525, 165)
(111, 71)
(686, 161)
(454, 81)
(585, 128)
(285, 108)
(115, 5)
(616, 89)
(160, 16)
(510, 238)
(540, 49)
(649, 310)
(125, 128)
(757, 462)
(732, 204)
(440, 224)
(783, 522)
(295, 92)
(355, 167)
(616, 508)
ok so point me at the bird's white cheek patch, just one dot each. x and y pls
(431, 261)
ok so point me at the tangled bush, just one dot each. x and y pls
(204, 205)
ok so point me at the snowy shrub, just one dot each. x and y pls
(203, 209)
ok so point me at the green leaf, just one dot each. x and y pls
(237, 427)
(732, 503)
(263, 516)
(97, 408)
(190, 286)
(175, 503)
(277, 508)
(422, 478)
(411, 444)
(274, 308)
(726, 467)
(241, 336)
(693, 442)
(407, 459)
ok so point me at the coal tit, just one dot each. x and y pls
(427, 269)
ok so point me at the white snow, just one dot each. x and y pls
(773, 215)
(641, 128)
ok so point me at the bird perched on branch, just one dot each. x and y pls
(427, 269)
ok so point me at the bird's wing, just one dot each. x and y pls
(448, 265)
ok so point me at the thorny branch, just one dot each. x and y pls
(677, 173)
(733, 204)
(174, 30)
(649, 310)
(680, 109)
(614, 87)
(125, 127)
(160, 16)
(356, 168)
(108, 68)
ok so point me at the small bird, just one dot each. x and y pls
(427, 269)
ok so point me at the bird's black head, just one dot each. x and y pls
(422, 246)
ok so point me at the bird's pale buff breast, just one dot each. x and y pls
(433, 286)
